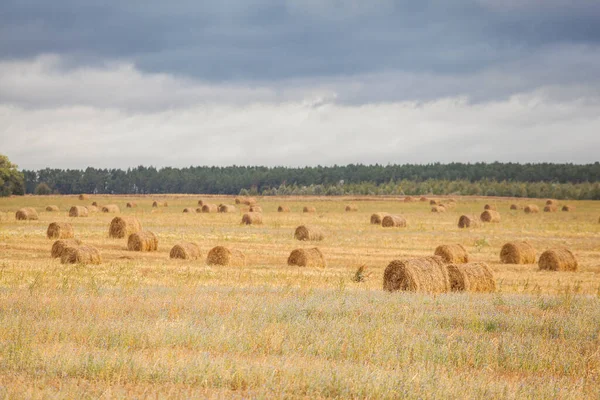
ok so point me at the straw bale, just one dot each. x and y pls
(307, 258)
(210, 208)
(453, 253)
(433, 202)
(531, 209)
(83, 254)
(60, 230)
(351, 208)
(519, 252)
(95, 204)
(312, 233)
(226, 208)
(469, 221)
(110, 208)
(200, 203)
(283, 209)
(189, 210)
(142, 241)
(423, 199)
(186, 251)
(83, 197)
(122, 227)
(408, 199)
(490, 216)
(52, 208)
(26, 213)
(425, 274)
(60, 245)
(78, 211)
(551, 202)
(440, 208)
(567, 208)
(256, 209)
(393, 221)
(252, 218)
(490, 207)
(220, 255)
(561, 259)
(551, 208)
(473, 277)
(377, 218)
(309, 209)
(131, 205)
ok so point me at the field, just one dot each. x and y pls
(141, 325)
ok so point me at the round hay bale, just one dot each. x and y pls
(83, 197)
(393, 221)
(186, 251)
(78, 211)
(220, 255)
(307, 258)
(440, 208)
(568, 208)
(377, 218)
(84, 254)
(165, 204)
(245, 200)
(142, 241)
(110, 208)
(516, 207)
(551, 208)
(256, 209)
(26, 214)
(468, 221)
(490, 207)
(60, 245)
(60, 230)
(309, 209)
(311, 233)
(424, 199)
(238, 200)
(473, 277)
(433, 202)
(351, 208)
(252, 218)
(453, 253)
(122, 227)
(551, 202)
(52, 208)
(199, 209)
(561, 259)
(131, 205)
(95, 204)
(226, 208)
(425, 274)
(283, 209)
(155, 204)
(531, 209)
(200, 203)
(517, 253)
(408, 199)
(490, 216)
(210, 208)
(189, 210)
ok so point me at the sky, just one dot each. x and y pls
(114, 84)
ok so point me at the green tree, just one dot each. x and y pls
(42, 189)
(12, 180)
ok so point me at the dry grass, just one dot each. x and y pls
(142, 325)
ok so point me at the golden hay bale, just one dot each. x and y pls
(199, 209)
(473, 277)
(220, 255)
(551, 202)
(423, 199)
(377, 218)
(83, 197)
(453, 253)
(245, 200)
(210, 208)
(551, 208)
(438, 209)
(490, 216)
(490, 207)
(351, 208)
(52, 208)
(283, 209)
(561, 259)
(81, 255)
(531, 209)
(121, 227)
(60, 230)
(256, 209)
(252, 218)
(516, 207)
(226, 208)
(189, 210)
(309, 209)
(408, 199)
(60, 245)
(393, 221)
(154, 204)
(238, 200)
(567, 208)
(425, 274)
(517, 253)
(312, 233)
(110, 208)
(186, 251)
(468, 221)
(200, 203)
(95, 204)
(142, 241)
(433, 202)
(26, 213)
(307, 258)
(131, 205)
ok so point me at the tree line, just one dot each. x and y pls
(499, 179)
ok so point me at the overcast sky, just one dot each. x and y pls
(298, 82)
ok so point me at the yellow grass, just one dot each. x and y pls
(142, 325)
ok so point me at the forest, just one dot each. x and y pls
(561, 181)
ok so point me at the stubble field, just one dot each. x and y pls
(142, 325)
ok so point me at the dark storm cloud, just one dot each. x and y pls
(275, 39)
